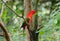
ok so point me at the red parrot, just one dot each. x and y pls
(28, 18)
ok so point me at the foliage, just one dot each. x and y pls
(51, 27)
(50, 23)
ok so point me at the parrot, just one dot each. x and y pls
(28, 18)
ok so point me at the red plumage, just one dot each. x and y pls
(29, 15)
(28, 18)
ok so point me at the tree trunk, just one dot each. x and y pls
(31, 35)
(27, 7)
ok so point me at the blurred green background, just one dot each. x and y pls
(48, 14)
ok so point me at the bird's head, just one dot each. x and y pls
(32, 12)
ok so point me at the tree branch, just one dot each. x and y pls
(40, 27)
(36, 16)
(2, 10)
(12, 10)
(15, 12)
(5, 31)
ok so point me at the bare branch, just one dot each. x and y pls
(12, 10)
(2, 10)
(5, 31)
(35, 21)
(39, 27)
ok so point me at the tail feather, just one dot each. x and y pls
(23, 25)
